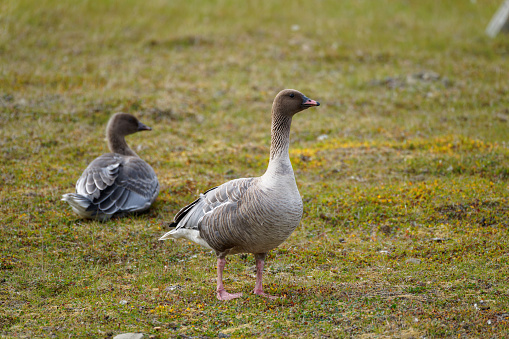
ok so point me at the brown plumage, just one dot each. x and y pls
(115, 183)
(250, 215)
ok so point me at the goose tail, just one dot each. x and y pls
(169, 235)
(189, 234)
(83, 206)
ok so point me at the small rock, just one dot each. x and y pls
(123, 302)
(322, 137)
(428, 76)
(413, 261)
(173, 288)
(199, 118)
(502, 117)
(223, 335)
(129, 336)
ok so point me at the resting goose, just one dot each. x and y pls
(115, 183)
(250, 215)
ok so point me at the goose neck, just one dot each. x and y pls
(117, 144)
(280, 136)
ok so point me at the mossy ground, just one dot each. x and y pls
(403, 169)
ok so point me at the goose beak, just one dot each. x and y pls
(309, 102)
(143, 127)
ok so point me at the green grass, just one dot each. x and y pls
(406, 199)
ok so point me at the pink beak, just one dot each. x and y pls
(310, 102)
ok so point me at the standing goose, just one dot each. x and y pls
(250, 215)
(118, 182)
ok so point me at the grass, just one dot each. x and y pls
(404, 169)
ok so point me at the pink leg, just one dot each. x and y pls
(221, 293)
(259, 272)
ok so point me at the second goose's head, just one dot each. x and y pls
(122, 124)
(291, 101)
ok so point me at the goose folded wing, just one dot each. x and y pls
(138, 177)
(222, 223)
(135, 187)
(118, 184)
(98, 176)
(214, 200)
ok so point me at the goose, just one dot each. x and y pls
(115, 183)
(250, 215)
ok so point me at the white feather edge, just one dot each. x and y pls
(192, 235)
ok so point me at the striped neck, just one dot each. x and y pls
(280, 134)
(279, 162)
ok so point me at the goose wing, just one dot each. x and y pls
(116, 183)
(218, 203)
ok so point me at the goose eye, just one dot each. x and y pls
(292, 95)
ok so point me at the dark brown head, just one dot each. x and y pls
(122, 124)
(291, 101)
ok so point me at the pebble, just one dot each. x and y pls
(413, 261)
(129, 336)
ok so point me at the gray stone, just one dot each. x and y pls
(413, 261)
(129, 336)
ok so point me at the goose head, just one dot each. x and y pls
(291, 101)
(122, 124)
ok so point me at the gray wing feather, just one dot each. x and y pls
(116, 183)
(229, 225)
(135, 202)
(121, 195)
(216, 201)
(98, 182)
